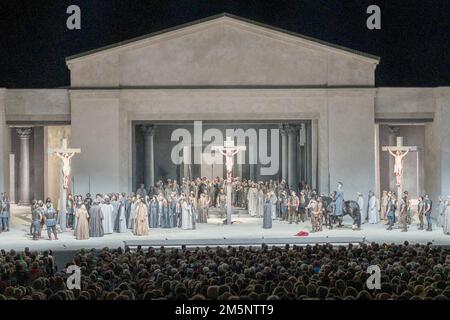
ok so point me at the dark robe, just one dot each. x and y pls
(267, 218)
(95, 221)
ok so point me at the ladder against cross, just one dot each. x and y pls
(399, 151)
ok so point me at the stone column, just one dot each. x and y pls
(284, 152)
(24, 165)
(292, 156)
(149, 156)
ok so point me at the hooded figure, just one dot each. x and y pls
(96, 220)
(82, 228)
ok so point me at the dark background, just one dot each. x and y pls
(414, 42)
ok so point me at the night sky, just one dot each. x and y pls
(414, 42)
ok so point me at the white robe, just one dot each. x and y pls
(131, 217)
(186, 216)
(373, 210)
(108, 223)
(446, 224)
(440, 213)
(122, 220)
(362, 210)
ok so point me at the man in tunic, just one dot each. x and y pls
(50, 221)
(36, 218)
(107, 212)
(294, 204)
(404, 213)
(96, 220)
(427, 211)
(420, 211)
(82, 229)
(203, 208)
(390, 210)
(373, 208)
(70, 211)
(141, 219)
(5, 212)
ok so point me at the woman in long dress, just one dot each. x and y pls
(82, 228)
(140, 219)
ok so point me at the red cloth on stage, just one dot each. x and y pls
(302, 234)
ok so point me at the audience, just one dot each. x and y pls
(411, 272)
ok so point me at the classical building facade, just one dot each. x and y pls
(224, 71)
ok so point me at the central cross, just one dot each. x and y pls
(229, 150)
(399, 152)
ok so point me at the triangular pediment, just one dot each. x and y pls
(225, 51)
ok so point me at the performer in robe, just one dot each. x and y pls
(203, 208)
(360, 201)
(132, 214)
(390, 209)
(339, 203)
(36, 217)
(222, 199)
(186, 214)
(165, 219)
(267, 209)
(428, 206)
(82, 229)
(140, 219)
(153, 212)
(115, 212)
(446, 222)
(173, 209)
(121, 220)
(373, 208)
(5, 212)
(294, 203)
(107, 212)
(70, 211)
(273, 200)
(383, 206)
(260, 207)
(160, 218)
(440, 210)
(251, 199)
(284, 205)
(96, 220)
(420, 211)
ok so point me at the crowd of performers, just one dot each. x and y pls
(172, 205)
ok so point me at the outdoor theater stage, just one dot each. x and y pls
(245, 231)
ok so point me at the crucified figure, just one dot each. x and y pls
(398, 164)
(65, 157)
(229, 154)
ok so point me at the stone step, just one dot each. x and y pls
(238, 212)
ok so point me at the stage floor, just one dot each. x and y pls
(245, 231)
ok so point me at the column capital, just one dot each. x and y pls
(148, 130)
(282, 128)
(291, 129)
(24, 133)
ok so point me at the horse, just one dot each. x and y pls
(350, 208)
